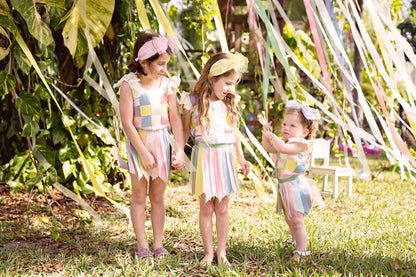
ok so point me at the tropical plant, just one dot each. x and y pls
(42, 135)
(48, 69)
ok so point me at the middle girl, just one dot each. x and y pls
(211, 110)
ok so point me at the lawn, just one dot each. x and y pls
(370, 234)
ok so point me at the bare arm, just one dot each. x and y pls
(245, 166)
(126, 115)
(177, 129)
(277, 145)
(265, 140)
(274, 144)
(186, 122)
(267, 145)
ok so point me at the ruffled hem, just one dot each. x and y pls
(137, 90)
(308, 143)
(130, 78)
(186, 101)
(173, 84)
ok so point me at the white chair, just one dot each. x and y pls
(321, 150)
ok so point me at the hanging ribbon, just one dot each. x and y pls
(318, 45)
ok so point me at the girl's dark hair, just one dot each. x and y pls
(134, 65)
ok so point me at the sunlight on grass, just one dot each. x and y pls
(372, 233)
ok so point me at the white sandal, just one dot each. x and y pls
(298, 254)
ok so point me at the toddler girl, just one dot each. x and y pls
(298, 128)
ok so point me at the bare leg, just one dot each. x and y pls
(299, 230)
(137, 208)
(206, 210)
(222, 224)
(157, 200)
(289, 223)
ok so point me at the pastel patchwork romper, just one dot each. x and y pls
(213, 155)
(294, 189)
(150, 117)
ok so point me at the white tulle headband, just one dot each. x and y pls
(157, 45)
(308, 112)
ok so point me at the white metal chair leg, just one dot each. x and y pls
(326, 183)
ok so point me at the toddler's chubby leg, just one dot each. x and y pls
(299, 231)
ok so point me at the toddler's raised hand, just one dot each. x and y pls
(263, 121)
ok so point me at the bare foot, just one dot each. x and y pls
(222, 261)
(206, 261)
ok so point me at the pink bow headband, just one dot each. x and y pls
(308, 112)
(157, 45)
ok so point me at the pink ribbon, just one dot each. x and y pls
(318, 47)
(157, 45)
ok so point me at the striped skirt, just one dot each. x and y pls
(295, 195)
(157, 142)
(216, 171)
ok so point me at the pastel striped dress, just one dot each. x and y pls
(150, 117)
(294, 189)
(213, 154)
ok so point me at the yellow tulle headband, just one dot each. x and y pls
(233, 61)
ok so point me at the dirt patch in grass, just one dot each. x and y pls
(25, 215)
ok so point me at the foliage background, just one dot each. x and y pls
(40, 130)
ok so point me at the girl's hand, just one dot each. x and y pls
(148, 161)
(178, 161)
(266, 125)
(267, 134)
(245, 166)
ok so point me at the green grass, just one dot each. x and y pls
(370, 234)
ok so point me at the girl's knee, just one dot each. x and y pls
(206, 208)
(297, 222)
(157, 191)
(221, 208)
(157, 198)
(138, 199)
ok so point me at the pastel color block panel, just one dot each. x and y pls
(164, 108)
(146, 121)
(164, 120)
(145, 110)
(144, 99)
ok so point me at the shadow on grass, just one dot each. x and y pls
(276, 259)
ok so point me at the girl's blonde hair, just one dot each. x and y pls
(310, 125)
(203, 89)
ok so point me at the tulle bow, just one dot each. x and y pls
(233, 61)
(157, 45)
(308, 112)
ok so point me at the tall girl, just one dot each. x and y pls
(211, 111)
(298, 128)
(148, 107)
